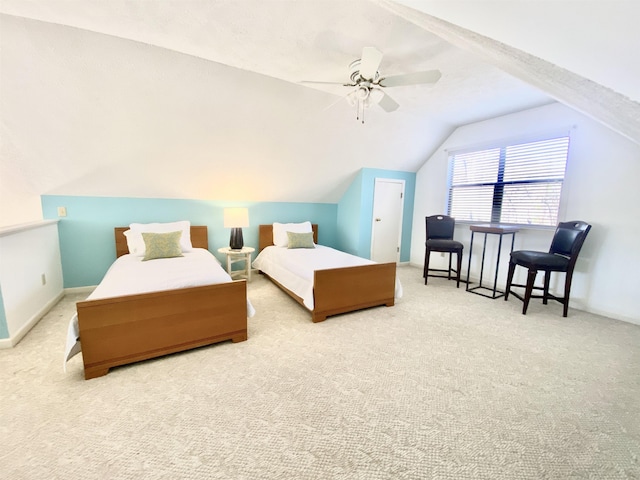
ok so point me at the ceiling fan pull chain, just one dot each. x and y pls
(360, 106)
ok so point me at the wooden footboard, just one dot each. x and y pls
(122, 330)
(340, 290)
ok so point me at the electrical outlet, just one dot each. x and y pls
(62, 211)
(44, 279)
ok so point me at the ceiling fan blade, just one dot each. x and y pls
(340, 98)
(387, 103)
(429, 76)
(369, 63)
(328, 83)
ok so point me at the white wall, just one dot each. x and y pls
(19, 195)
(600, 188)
(27, 253)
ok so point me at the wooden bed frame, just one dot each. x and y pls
(341, 290)
(122, 330)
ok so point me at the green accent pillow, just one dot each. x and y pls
(162, 245)
(300, 240)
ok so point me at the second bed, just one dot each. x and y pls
(324, 280)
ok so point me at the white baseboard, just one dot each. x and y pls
(70, 291)
(12, 341)
(596, 311)
(622, 318)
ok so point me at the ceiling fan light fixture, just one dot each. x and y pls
(352, 99)
(362, 93)
(375, 95)
(369, 85)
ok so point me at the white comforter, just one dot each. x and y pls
(129, 275)
(293, 268)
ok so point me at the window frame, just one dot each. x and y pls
(499, 183)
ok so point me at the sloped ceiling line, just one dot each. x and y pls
(612, 109)
(129, 84)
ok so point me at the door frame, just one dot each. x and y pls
(373, 216)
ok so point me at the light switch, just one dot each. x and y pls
(62, 211)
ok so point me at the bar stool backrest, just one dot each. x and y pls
(569, 238)
(440, 227)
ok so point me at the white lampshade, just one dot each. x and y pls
(376, 95)
(236, 217)
(351, 98)
(362, 93)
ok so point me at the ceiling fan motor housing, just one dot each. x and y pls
(354, 73)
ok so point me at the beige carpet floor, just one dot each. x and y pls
(444, 385)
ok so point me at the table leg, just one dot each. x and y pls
(484, 251)
(469, 264)
(495, 280)
(495, 293)
(247, 260)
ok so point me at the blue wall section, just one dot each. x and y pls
(349, 217)
(355, 212)
(4, 329)
(87, 243)
(86, 234)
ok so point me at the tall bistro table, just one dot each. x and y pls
(487, 229)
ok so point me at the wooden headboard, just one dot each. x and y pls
(199, 238)
(265, 235)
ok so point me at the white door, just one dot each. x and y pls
(386, 231)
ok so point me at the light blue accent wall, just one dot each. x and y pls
(349, 217)
(4, 328)
(87, 244)
(355, 212)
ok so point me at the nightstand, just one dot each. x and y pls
(233, 256)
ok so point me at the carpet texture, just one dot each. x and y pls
(444, 385)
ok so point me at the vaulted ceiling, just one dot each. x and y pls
(203, 99)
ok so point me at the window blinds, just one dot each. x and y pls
(518, 184)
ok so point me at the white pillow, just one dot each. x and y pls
(280, 238)
(135, 241)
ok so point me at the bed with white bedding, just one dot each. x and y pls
(145, 309)
(324, 280)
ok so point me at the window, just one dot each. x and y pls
(514, 183)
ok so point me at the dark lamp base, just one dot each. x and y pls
(235, 241)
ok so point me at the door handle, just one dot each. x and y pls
(378, 219)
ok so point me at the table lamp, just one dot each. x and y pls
(235, 219)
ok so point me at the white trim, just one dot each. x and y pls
(87, 289)
(10, 230)
(596, 311)
(13, 341)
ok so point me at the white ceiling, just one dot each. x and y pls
(202, 99)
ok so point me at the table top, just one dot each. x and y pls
(238, 252)
(494, 228)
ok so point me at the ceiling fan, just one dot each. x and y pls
(368, 83)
